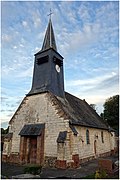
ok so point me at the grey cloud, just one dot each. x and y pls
(113, 81)
(4, 98)
(10, 115)
(2, 110)
(8, 110)
(107, 84)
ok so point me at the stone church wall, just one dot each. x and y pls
(75, 150)
(88, 150)
(38, 109)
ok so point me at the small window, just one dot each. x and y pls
(87, 137)
(102, 137)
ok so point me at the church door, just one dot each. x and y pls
(32, 144)
(33, 150)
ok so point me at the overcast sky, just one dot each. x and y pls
(86, 36)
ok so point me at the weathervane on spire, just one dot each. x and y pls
(50, 13)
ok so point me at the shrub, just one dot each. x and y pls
(100, 174)
(33, 169)
(91, 176)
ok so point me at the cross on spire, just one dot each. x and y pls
(50, 13)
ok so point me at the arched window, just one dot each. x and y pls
(102, 137)
(87, 137)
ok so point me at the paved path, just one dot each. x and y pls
(87, 168)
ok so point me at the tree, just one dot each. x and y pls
(93, 106)
(111, 111)
(4, 131)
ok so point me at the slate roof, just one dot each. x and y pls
(32, 129)
(8, 136)
(83, 114)
(49, 40)
(78, 112)
(62, 136)
(73, 129)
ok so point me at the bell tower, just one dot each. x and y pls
(48, 67)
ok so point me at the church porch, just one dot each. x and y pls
(32, 144)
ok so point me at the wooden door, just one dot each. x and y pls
(40, 149)
(33, 150)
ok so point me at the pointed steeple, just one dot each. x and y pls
(49, 40)
(48, 67)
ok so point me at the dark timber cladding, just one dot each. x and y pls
(42, 60)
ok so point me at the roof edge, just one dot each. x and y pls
(42, 51)
(89, 126)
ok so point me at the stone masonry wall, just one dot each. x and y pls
(38, 109)
(85, 150)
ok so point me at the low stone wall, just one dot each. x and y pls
(106, 164)
(4, 158)
(76, 160)
(83, 160)
(53, 162)
(50, 161)
(61, 164)
(105, 154)
(12, 158)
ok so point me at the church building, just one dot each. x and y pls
(52, 127)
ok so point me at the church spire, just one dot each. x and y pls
(49, 39)
(48, 67)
